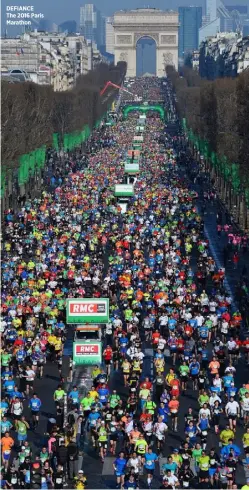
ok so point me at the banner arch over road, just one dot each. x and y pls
(127, 109)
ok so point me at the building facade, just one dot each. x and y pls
(223, 55)
(209, 29)
(20, 54)
(195, 60)
(100, 41)
(190, 20)
(47, 26)
(68, 26)
(217, 19)
(88, 21)
(211, 10)
(109, 35)
(48, 59)
(92, 24)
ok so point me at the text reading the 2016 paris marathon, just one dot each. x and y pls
(21, 15)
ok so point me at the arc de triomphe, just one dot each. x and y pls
(130, 26)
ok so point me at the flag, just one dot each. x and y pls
(22, 51)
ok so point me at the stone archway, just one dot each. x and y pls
(133, 25)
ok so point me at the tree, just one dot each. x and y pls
(217, 111)
(32, 113)
(226, 109)
(208, 114)
(242, 91)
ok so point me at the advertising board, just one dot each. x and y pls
(87, 310)
(124, 190)
(87, 352)
(131, 168)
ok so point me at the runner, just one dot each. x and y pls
(166, 294)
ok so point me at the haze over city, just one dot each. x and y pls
(61, 10)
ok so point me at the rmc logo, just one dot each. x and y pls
(91, 349)
(87, 308)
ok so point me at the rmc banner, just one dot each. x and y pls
(89, 310)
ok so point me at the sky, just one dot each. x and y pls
(60, 10)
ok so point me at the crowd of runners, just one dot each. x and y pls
(174, 331)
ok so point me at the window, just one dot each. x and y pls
(85, 335)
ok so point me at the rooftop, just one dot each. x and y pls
(145, 11)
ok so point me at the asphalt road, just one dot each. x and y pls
(99, 475)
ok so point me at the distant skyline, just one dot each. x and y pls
(59, 11)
